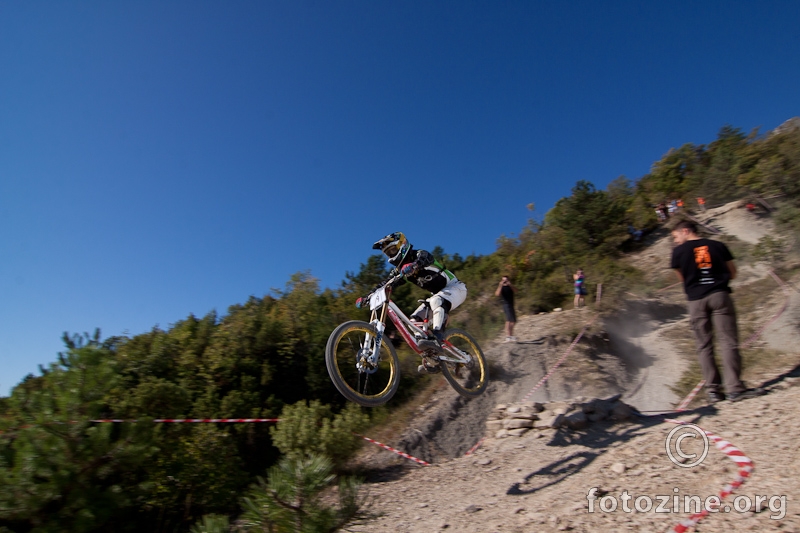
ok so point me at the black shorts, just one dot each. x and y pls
(508, 309)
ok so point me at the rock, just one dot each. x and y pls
(576, 420)
(588, 406)
(553, 421)
(472, 508)
(422, 505)
(596, 405)
(596, 417)
(501, 434)
(500, 407)
(618, 468)
(525, 415)
(513, 409)
(518, 432)
(494, 425)
(557, 310)
(622, 411)
(553, 406)
(483, 462)
(516, 423)
(536, 407)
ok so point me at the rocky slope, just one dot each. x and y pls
(539, 480)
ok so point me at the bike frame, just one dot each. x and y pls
(381, 306)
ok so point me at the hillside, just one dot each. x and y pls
(265, 359)
(539, 481)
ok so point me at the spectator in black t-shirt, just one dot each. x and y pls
(706, 267)
(505, 290)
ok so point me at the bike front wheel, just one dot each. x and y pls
(358, 372)
(468, 379)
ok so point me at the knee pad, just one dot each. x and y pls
(440, 307)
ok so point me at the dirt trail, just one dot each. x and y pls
(539, 482)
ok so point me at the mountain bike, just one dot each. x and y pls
(366, 370)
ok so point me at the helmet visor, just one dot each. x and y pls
(390, 250)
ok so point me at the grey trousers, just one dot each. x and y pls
(713, 313)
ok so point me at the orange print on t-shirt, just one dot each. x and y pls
(702, 257)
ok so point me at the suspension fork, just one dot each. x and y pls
(380, 327)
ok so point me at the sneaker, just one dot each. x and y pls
(715, 396)
(745, 394)
(432, 343)
(424, 368)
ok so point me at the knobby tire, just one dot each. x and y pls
(345, 346)
(467, 380)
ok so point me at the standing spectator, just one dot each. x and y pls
(505, 290)
(702, 203)
(580, 288)
(664, 210)
(705, 267)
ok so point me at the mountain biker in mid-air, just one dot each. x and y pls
(420, 267)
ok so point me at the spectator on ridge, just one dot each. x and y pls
(505, 290)
(580, 289)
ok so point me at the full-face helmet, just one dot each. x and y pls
(395, 246)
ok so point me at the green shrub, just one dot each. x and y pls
(289, 501)
(306, 429)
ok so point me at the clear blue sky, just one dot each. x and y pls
(165, 158)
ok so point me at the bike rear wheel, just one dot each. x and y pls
(470, 379)
(357, 372)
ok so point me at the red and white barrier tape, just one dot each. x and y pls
(248, 421)
(192, 420)
(561, 360)
(686, 401)
(252, 420)
(398, 452)
(744, 463)
(472, 450)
